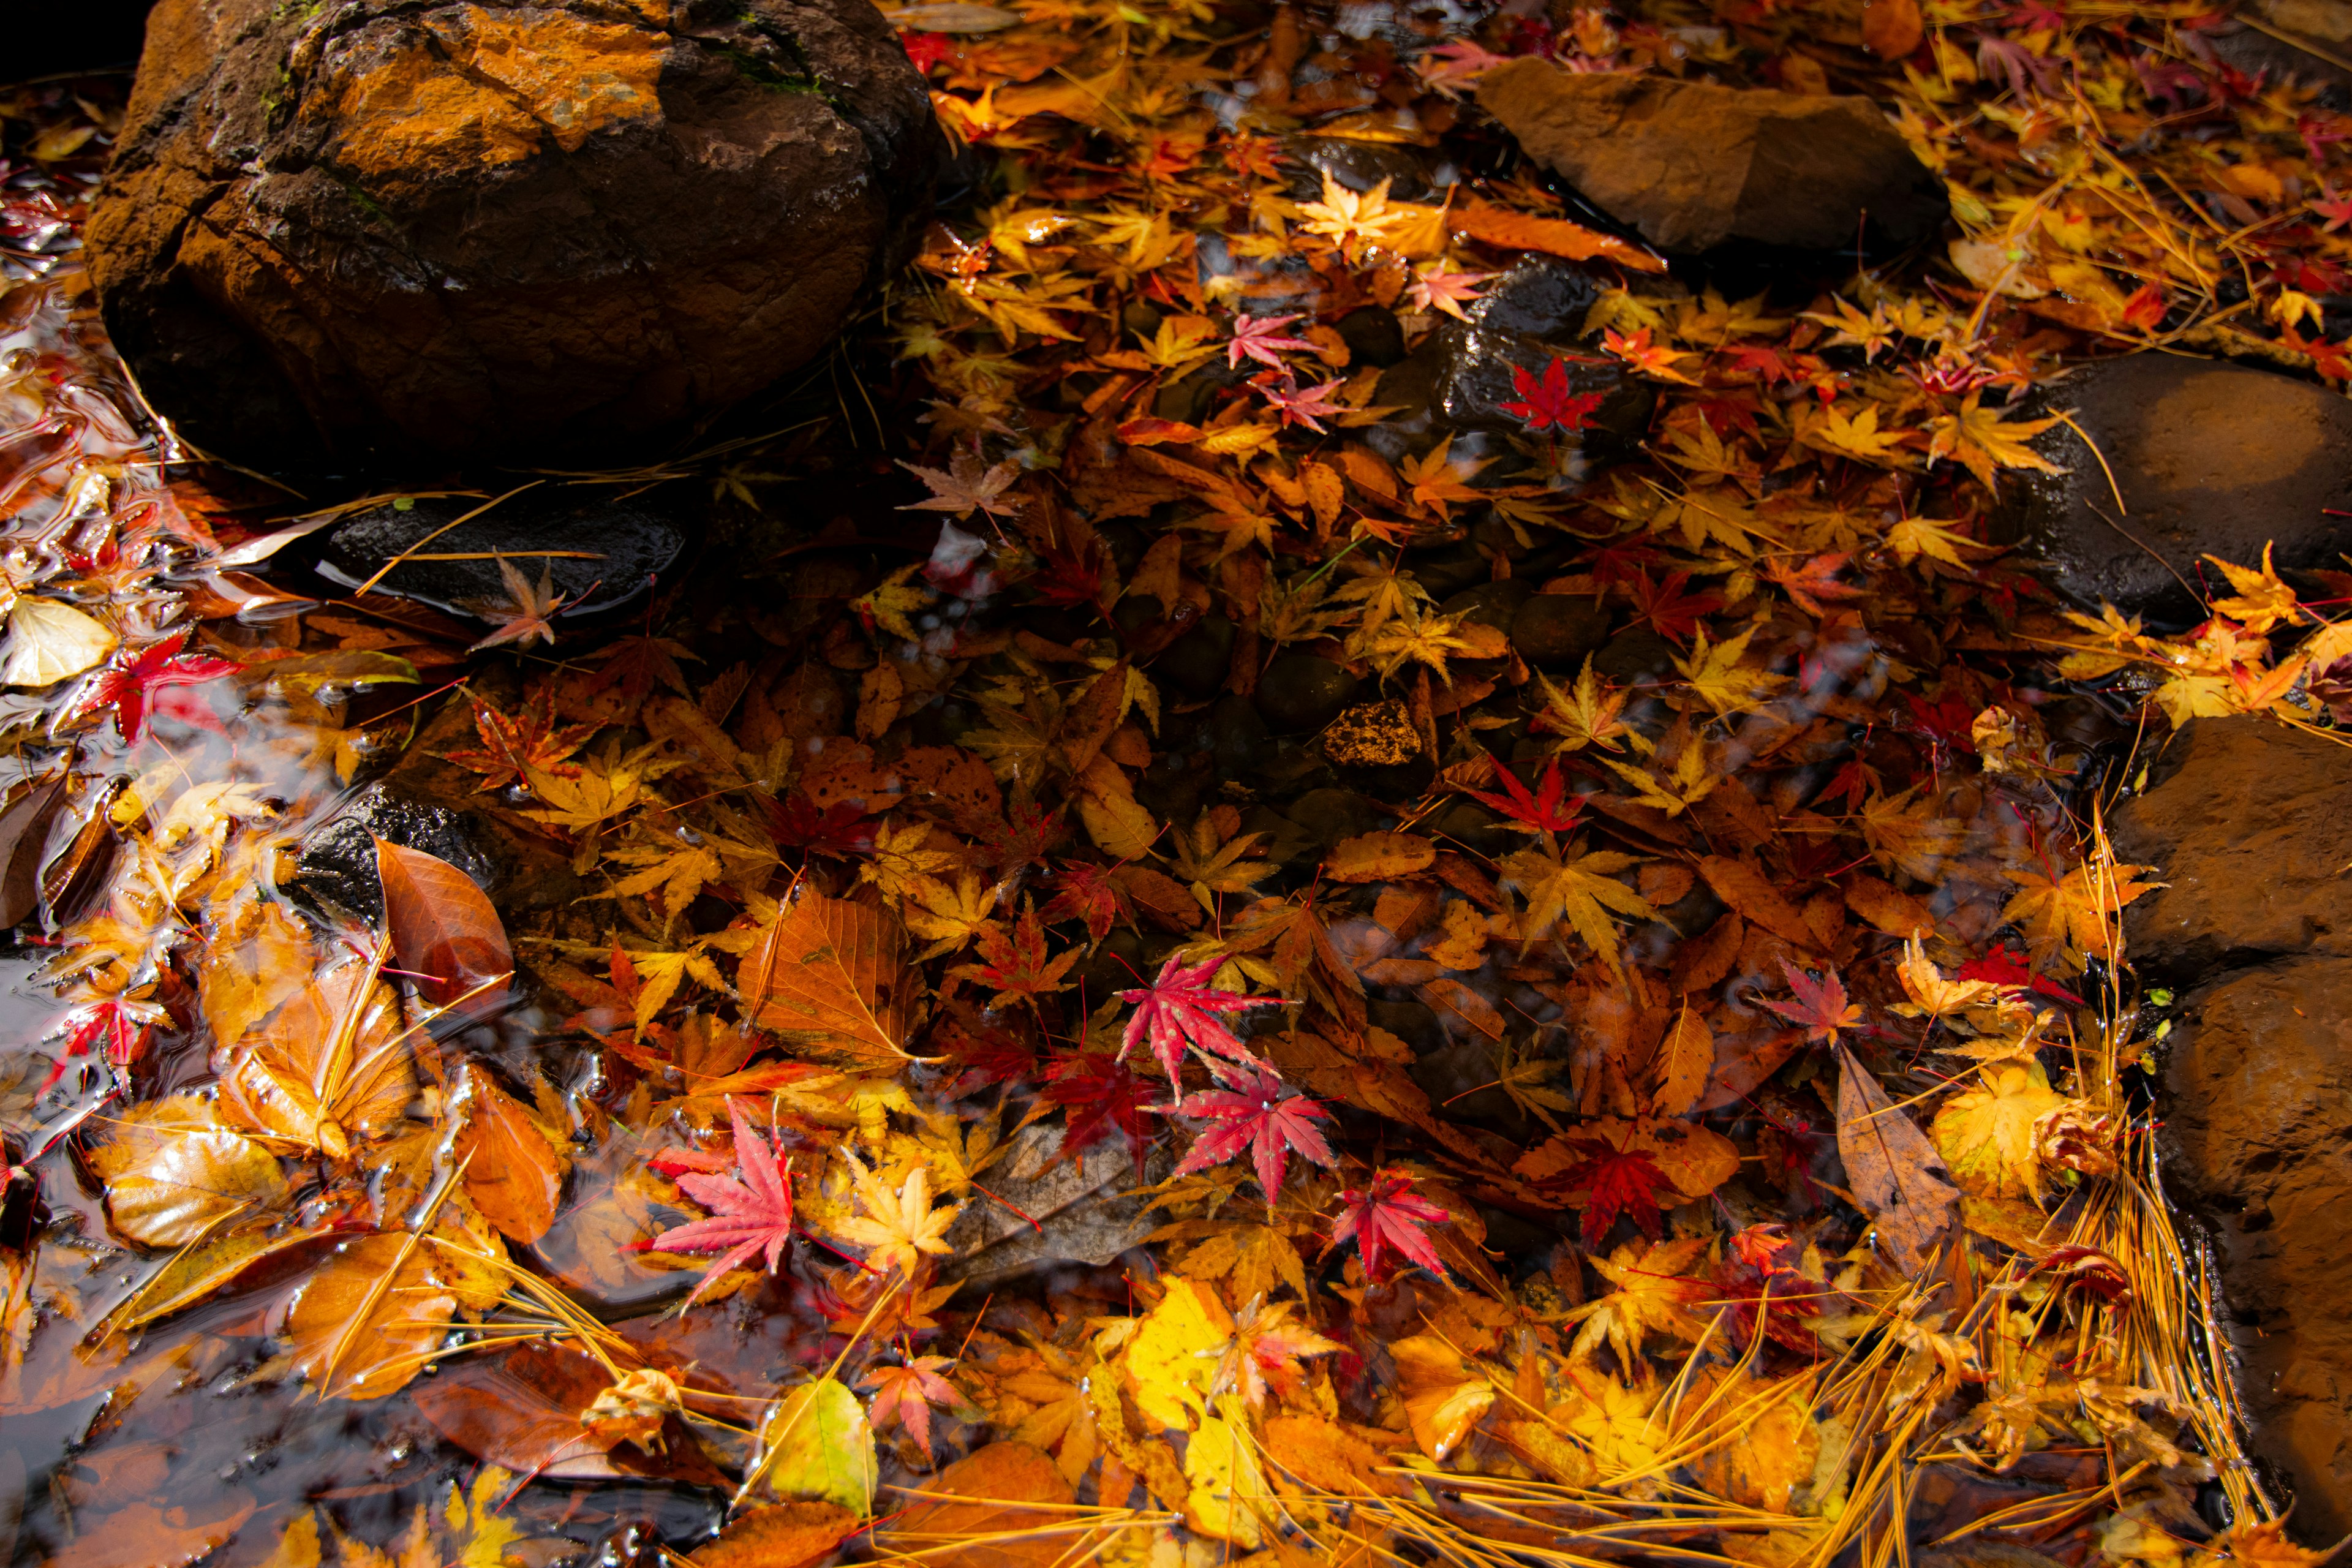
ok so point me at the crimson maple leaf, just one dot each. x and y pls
(1619, 1180)
(747, 1217)
(1088, 893)
(116, 1028)
(840, 830)
(129, 688)
(1299, 405)
(1256, 337)
(1178, 1007)
(1016, 965)
(1252, 1112)
(1664, 605)
(1549, 809)
(1384, 1216)
(1821, 1005)
(1070, 577)
(1547, 403)
(2007, 966)
(1100, 1093)
(927, 49)
(905, 1394)
(510, 745)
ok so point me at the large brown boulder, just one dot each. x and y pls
(1693, 167)
(2251, 823)
(348, 228)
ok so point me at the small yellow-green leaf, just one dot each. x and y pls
(815, 1443)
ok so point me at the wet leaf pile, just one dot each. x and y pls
(1257, 901)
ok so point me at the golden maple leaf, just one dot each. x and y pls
(898, 1227)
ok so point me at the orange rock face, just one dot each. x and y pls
(366, 230)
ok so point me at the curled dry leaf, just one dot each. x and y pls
(441, 926)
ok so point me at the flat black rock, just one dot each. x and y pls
(619, 548)
(2210, 458)
(335, 862)
(1531, 315)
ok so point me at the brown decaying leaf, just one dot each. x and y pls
(364, 1323)
(1892, 1168)
(830, 975)
(998, 1479)
(513, 1174)
(442, 926)
(174, 1174)
(330, 1065)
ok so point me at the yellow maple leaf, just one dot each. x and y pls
(898, 1227)
(2070, 915)
(948, 918)
(1578, 887)
(1981, 441)
(1173, 1353)
(891, 601)
(2262, 601)
(1586, 714)
(1652, 1297)
(1855, 436)
(1986, 1133)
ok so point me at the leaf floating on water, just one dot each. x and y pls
(48, 642)
(1011, 1488)
(831, 976)
(197, 1272)
(441, 925)
(1895, 1172)
(815, 1444)
(365, 1323)
(330, 1065)
(174, 1174)
(782, 1535)
(514, 1175)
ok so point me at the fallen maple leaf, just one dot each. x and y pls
(1178, 1008)
(1546, 809)
(1257, 338)
(1821, 1005)
(753, 1215)
(523, 617)
(904, 1394)
(965, 487)
(129, 689)
(1617, 1182)
(1547, 404)
(899, 1226)
(1384, 1216)
(1252, 1112)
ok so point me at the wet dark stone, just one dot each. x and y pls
(1635, 654)
(1555, 631)
(1532, 314)
(1693, 167)
(1373, 336)
(2211, 458)
(335, 862)
(2250, 823)
(1490, 604)
(1238, 738)
(1353, 165)
(632, 542)
(1300, 692)
(1196, 663)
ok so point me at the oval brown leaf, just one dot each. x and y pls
(513, 1174)
(787, 1535)
(998, 1479)
(366, 1320)
(174, 1174)
(331, 1064)
(442, 926)
(831, 976)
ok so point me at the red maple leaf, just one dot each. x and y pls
(2007, 966)
(1068, 578)
(1664, 605)
(927, 49)
(129, 688)
(1821, 1005)
(841, 830)
(1547, 403)
(1088, 893)
(1299, 405)
(1252, 1112)
(1385, 1217)
(533, 740)
(117, 1029)
(750, 1216)
(1549, 809)
(1100, 1094)
(1748, 1292)
(1179, 1008)
(1016, 965)
(1259, 338)
(1620, 1181)
(905, 1394)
